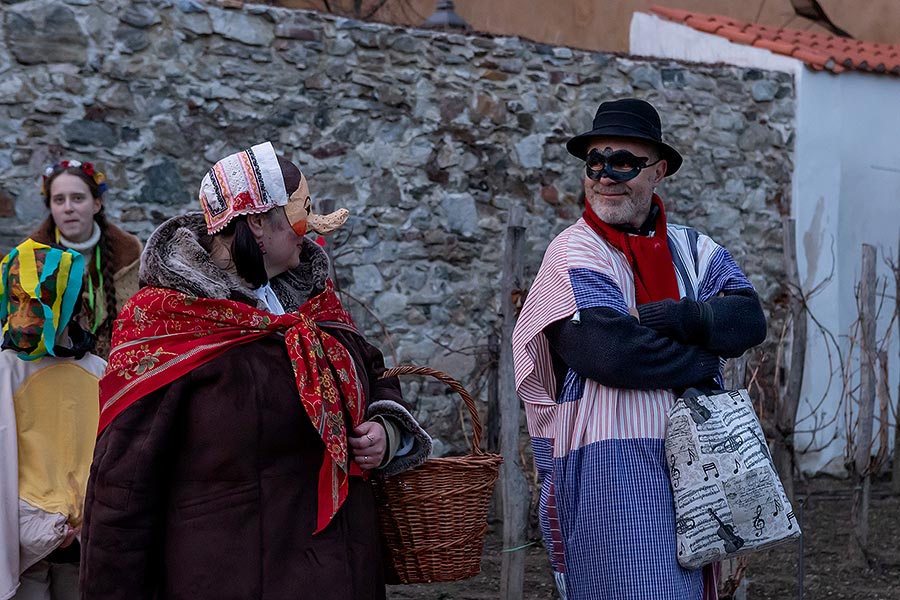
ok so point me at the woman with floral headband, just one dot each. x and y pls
(73, 191)
(242, 411)
(48, 421)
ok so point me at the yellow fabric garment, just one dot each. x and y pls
(57, 412)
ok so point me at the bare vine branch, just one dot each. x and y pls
(384, 329)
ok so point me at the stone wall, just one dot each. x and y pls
(427, 138)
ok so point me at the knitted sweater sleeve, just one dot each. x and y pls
(727, 325)
(615, 350)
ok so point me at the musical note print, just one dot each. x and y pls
(791, 518)
(676, 474)
(710, 467)
(737, 465)
(779, 506)
(758, 522)
(692, 455)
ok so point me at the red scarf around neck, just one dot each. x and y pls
(162, 334)
(648, 255)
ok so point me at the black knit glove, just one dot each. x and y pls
(686, 321)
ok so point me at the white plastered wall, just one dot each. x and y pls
(845, 191)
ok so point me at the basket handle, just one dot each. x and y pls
(456, 386)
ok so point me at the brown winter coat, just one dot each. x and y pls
(206, 488)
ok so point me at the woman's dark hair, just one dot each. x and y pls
(77, 172)
(245, 250)
(107, 270)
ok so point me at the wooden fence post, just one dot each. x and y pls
(516, 495)
(860, 509)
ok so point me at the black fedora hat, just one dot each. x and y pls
(631, 118)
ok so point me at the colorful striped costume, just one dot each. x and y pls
(606, 506)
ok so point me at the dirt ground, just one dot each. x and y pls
(538, 578)
(774, 574)
(828, 571)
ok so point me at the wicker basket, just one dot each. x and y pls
(434, 517)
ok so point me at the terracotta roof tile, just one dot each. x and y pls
(703, 23)
(736, 35)
(873, 62)
(832, 66)
(810, 56)
(807, 39)
(777, 47)
(728, 21)
(818, 51)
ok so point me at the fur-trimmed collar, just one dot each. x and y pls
(296, 286)
(176, 257)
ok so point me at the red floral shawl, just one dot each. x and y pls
(162, 334)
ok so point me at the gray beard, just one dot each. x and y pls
(619, 214)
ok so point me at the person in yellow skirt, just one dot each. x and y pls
(49, 414)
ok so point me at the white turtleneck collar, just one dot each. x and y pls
(84, 246)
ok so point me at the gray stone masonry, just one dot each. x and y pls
(428, 138)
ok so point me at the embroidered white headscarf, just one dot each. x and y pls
(251, 181)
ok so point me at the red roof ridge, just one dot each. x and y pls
(738, 35)
(775, 46)
(818, 50)
(702, 23)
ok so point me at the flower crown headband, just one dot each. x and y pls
(86, 168)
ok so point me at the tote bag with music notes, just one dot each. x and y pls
(728, 497)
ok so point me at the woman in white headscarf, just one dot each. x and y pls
(242, 410)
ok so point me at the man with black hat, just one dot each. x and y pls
(625, 311)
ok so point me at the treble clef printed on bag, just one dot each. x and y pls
(758, 522)
(728, 498)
